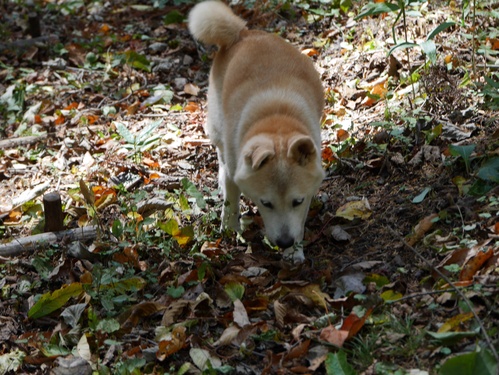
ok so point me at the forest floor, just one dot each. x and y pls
(105, 104)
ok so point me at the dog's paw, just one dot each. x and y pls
(294, 254)
(230, 221)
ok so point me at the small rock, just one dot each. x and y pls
(187, 60)
(158, 47)
(179, 83)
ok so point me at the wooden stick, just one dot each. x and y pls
(31, 243)
(15, 142)
(52, 207)
(31, 194)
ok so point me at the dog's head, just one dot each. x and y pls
(281, 174)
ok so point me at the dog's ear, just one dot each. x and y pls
(301, 149)
(259, 155)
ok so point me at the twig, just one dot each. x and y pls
(422, 294)
(15, 142)
(31, 194)
(26, 43)
(458, 291)
(30, 243)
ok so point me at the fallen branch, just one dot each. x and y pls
(20, 141)
(41, 41)
(31, 243)
(31, 194)
(457, 290)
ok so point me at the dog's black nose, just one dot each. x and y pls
(285, 241)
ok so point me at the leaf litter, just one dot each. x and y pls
(118, 125)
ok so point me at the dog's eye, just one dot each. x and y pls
(297, 202)
(267, 204)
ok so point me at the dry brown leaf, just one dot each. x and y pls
(473, 265)
(172, 345)
(342, 135)
(280, 310)
(87, 193)
(355, 209)
(240, 315)
(192, 107)
(353, 323)
(420, 229)
(173, 311)
(299, 350)
(191, 89)
(132, 317)
(228, 335)
(334, 336)
(310, 52)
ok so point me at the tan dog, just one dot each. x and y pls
(265, 105)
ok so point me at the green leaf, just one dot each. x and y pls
(127, 285)
(125, 133)
(144, 133)
(373, 9)
(464, 152)
(170, 227)
(337, 364)
(450, 338)
(53, 301)
(439, 29)
(390, 295)
(54, 350)
(108, 325)
(192, 190)
(379, 280)
(490, 170)
(137, 61)
(421, 196)
(175, 292)
(117, 228)
(173, 17)
(402, 45)
(430, 49)
(480, 188)
(481, 362)
(234, 290)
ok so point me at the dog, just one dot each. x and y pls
(265, 103)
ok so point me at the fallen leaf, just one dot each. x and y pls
(355, 209)
(192, 107)
(201, 358)
(334, 336)
(171, 345)
(473, 265)
(342, 135)
(228, 335)
(421, 229)
(240, 315)
(191, 89)
(310, 52)
(454, 323)
(353, 323)
(299, 350)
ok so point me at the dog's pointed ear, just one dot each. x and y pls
(259, 155)
(302, 149)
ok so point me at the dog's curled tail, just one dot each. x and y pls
(212, 22)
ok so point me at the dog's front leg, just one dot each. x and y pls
(294, 253)
(231, 195)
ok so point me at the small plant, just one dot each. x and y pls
(143, 141)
